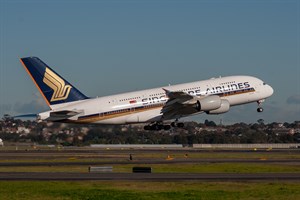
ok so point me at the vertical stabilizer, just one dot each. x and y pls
(55, 89)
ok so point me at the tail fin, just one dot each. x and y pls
(52, 86)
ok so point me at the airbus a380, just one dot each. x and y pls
(160, 108)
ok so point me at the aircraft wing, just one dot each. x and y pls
(179, 104)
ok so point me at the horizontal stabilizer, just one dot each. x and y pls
(25, 116)
(62, 115)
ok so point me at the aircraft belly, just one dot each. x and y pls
(133, 118)
(116, 120)
(150, 116)
(237, 99)
(141, 117)
(242, 98)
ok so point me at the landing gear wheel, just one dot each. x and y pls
(154, 127)
(167, 127)
(147, 128)
(260, 109)
(180, 125)
(159, 127)
(177, 124)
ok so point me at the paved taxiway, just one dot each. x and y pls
(148, 161)
(65, 176)
(121, 156)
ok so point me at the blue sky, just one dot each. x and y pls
(107, 47)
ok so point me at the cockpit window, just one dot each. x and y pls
(264, 83)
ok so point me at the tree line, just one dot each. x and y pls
(192, 133)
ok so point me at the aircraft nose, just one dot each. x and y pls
(269, 90)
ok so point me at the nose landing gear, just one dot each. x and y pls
(260, 109)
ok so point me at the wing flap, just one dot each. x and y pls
(179, 104)
(178, 96)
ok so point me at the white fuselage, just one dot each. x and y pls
(145, 106)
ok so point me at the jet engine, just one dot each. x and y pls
(208, 103)
(222, 109)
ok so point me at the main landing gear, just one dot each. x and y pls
(260, 109)
(159, 126)
(177, 124)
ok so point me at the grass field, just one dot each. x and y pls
(172, 168)
(148, 190)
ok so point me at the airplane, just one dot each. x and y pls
(158, 108)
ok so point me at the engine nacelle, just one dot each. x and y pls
(223, 108)
(209, 103)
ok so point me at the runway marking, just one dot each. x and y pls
(148, 161)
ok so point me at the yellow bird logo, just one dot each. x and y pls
(60, 89)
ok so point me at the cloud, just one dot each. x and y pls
(294, 99)
(5, 108)
(35, 106)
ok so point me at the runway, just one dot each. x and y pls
(65, 176)
(149, 161)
